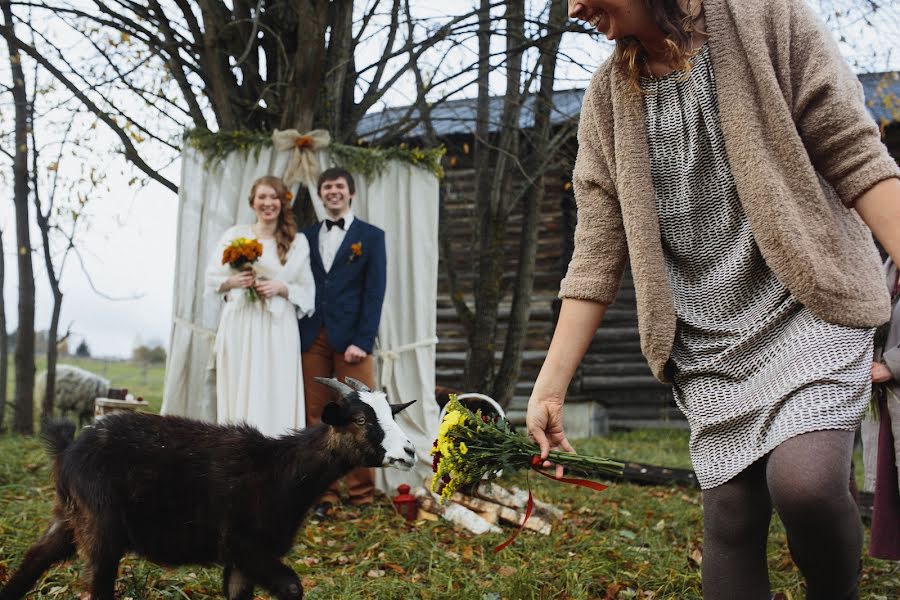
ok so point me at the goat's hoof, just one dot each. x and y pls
(323, 512)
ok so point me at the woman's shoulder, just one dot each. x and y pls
(601, 79)
(300, 241)
(596, 104)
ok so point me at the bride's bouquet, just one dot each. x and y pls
(240, 254)
(472, 446)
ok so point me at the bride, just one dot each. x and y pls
(258, 374)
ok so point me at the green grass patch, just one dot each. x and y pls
(627, 542)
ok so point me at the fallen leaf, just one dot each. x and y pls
(612, 591)
(395, 568)
(696, 556)
(376, 573)
(507, 571)
(660, 525)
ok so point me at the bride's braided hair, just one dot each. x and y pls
(286, 229)
(678, 25)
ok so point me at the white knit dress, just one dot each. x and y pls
(753, 366)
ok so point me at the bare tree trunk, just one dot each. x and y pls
(305, 75)
(517, 328)
(336, 95)
(23, 418)
(479, 368)
(53, 333)
(4, 339)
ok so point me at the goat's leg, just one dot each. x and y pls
(104, 559)
(236, 585)
(272, 574)
(55, 545)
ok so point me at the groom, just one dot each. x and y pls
(348, 264)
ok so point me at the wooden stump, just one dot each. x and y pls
(107, 406)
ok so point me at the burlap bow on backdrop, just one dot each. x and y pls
(303, 166)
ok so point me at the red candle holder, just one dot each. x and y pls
(406, 504)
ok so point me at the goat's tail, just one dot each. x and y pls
(58, 435)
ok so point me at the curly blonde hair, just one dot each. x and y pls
(677, 24)
(286, 229)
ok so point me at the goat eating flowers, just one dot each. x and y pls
(177, 491)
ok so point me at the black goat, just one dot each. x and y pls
(178, 491)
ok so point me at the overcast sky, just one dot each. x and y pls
(130, 248)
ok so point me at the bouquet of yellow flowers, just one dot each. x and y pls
(240, 255)
(471, 447)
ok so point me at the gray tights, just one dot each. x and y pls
(806, 479)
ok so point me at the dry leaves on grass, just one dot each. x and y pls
(696, 556)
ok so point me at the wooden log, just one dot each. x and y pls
(506, 514)
(516, 499)
(488, 511)
(455, 513)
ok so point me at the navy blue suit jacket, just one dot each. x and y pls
(349, 297)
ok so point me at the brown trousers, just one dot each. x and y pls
(321, 360)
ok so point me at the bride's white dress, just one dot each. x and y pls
(258, 374)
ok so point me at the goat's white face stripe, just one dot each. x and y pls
(395, 442)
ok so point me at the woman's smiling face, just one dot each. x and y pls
(613, 18)
(266, 204)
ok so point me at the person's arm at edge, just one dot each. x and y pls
(879, 208)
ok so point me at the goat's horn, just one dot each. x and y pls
(341, 388)
(359, 386)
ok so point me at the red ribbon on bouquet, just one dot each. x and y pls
(536, 462)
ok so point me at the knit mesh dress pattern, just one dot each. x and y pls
(753, 366)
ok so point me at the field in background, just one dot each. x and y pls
(141, 379)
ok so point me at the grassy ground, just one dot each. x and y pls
(627, 542)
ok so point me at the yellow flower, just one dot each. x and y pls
(462, 448)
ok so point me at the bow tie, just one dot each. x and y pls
(329, 223)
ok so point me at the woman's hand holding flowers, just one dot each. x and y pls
(545, 426)
(243, 279)
(271, 287)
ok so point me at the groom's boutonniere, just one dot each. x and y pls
(355, 251)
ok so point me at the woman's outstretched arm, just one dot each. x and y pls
(578, 320)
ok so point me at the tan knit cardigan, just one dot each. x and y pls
(802, 149)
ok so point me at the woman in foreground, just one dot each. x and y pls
(725, 149)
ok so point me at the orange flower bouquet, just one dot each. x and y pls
(240, 255)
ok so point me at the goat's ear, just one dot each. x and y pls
(334, 415)
(395, 408)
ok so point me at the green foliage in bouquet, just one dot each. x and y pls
(472, 446)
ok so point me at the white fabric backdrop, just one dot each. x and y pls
(403, 201)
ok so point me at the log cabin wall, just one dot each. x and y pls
(613, 373)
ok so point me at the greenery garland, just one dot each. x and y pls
(367, 161)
